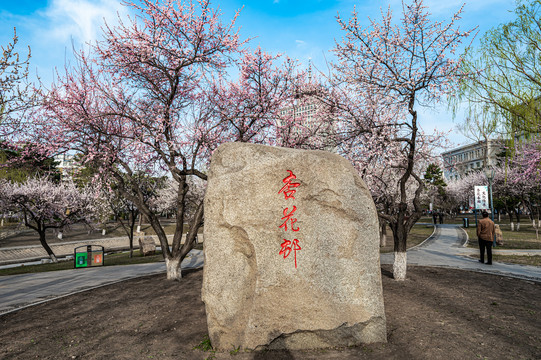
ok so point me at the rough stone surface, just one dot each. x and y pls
(147, 246)
(254, 296)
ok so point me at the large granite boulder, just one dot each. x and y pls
(291, 251)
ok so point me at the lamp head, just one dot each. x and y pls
(489, 172)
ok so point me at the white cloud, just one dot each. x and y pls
(80, 20)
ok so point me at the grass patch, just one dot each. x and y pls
(523, 239)
(204, 345)
(534, 260)
(109, 260)
(418, 234)
(27, 269)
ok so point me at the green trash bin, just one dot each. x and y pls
(81, 259)
(88, 256)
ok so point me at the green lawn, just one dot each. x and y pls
(121, 258)
(523, 239)
(417, 235)
(534, 260)
(109, 260)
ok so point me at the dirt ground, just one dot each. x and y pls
(436, 314)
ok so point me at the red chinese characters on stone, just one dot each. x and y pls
(287, 247)
(289, 221)
(288, 217)
(289, 188)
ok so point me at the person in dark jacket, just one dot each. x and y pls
(485, 236)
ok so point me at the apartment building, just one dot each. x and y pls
(67, 165)
(472, 157)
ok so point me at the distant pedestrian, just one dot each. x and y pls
(440, 217)
(434, 214)
(485, 236)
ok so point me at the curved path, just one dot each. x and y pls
(20, 291)
(445, 249)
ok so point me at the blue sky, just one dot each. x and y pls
(302, 29)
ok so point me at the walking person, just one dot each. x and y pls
(440, 217)
(485, 236)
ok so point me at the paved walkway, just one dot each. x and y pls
(19, 291)
(445, 249)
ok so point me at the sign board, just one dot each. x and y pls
(88, 256)
(481, 197)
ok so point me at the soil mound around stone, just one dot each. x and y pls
(435, 314)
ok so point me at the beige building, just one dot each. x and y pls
(472, 157)
(67, 165)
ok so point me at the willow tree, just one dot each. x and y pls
(503, 88)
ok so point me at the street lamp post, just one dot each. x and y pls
(489, 172)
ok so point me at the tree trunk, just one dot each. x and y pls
(400, 255)
(400, 265)
(172, 256)
(383, 236)
(130, 235)
(510, 214)
(128, 229)
(402, 224)
(517, 215)
(172, 266)
(538, 226)
(46, 246)
(196, 223)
